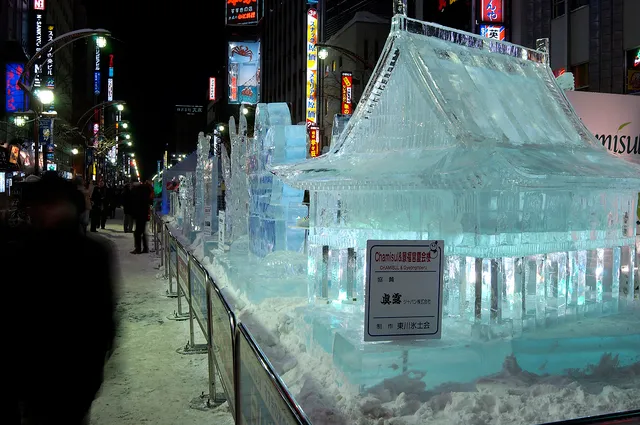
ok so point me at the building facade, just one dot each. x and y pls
(597, 40)
(354, 49)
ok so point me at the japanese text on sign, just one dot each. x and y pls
(404, 290)
(347, 83)
(492, 11)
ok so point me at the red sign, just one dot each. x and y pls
(38, 4)
(492, 11)
(212, 88)
(241, 12)
(314, 145)
(347, 87)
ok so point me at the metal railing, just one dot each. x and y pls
(250, 385)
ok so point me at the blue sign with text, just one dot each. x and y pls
(96, 82)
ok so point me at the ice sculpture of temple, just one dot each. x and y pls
(470, 140)
(274, 207)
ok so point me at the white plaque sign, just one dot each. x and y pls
(403, 297)
(221, 230)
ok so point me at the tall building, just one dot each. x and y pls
(353, 49)
(283, 58)
(598, 40)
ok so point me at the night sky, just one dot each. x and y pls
(164, 56)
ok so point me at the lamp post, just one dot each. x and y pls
(55, 45)
(82, 124)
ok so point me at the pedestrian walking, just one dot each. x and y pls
(55, 358)
(142, 198)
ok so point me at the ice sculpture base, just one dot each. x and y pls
(277, 275)
(463, 356)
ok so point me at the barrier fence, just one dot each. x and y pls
(250, 385)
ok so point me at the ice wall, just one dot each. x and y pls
(202, 153)
(238, 199)
(275, 207)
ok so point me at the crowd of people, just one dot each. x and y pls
(102, 200)
(57, 271)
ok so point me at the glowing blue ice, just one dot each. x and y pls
(274, 207)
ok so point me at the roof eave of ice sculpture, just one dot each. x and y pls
(446, 109)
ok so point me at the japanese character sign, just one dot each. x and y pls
(404, 290)
(492, 11)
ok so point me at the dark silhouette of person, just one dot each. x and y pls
(141, 200)
(62, 294)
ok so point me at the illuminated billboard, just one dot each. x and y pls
(38, 4)
(50, 79)
(496, 32)
(110, 89)
(212, 88)
(243, 12)
(312, 65)
(39, 42)
(492, 11)
(14, 99)
(347, 88)
(244, 72)
(314, 141)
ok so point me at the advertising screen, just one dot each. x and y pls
(14, 100)
(242, 12)
(244, 72)
(492, 11)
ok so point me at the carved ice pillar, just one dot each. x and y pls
(400, 7)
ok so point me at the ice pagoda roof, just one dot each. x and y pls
(446, 109)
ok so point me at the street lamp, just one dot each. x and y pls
(127, 136)
(221, 127)
(120, 107)
(129, 144)
(74, 151)
(46, 97)
(125, 125)
(245, 111)
(101, 42)
(323, 54)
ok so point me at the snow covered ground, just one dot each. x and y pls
(146, 380)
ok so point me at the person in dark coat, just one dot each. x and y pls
(126, 207)
(98, 204)
(71, 273)
(141, 200)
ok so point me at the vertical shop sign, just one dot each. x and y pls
(49, 69)
(37, 68)
(492, 11)
(314, 145)
(312, 65)
(347, 83)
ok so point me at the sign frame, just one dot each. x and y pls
(226, 374)
(410, 262)
(292, 414)
(200, 309)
